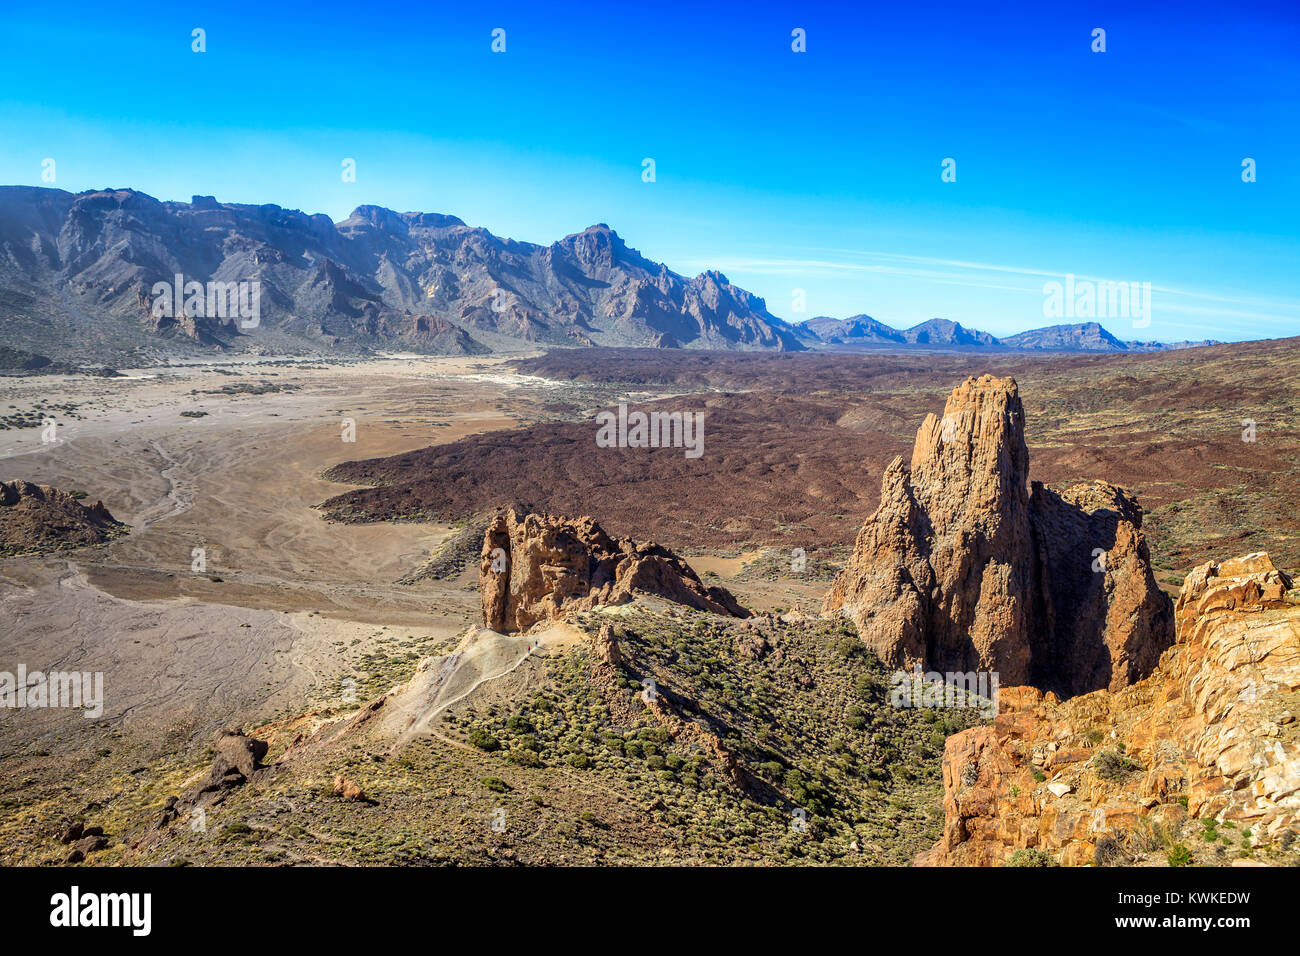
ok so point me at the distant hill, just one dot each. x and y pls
(862, 331)
(1081, 337)
(1170, 346)
(943, 332)
(854, 329)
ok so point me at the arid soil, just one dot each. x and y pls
(282, 610)
(238, 599)
(795, 446)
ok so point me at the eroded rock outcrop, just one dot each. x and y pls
(536, 567)
(38, 518)
(1210, 734)
(236, 760)
(964, 568)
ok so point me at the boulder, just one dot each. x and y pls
(236, 752)
(237, 759)
(348, 789)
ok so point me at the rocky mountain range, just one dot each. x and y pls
(116, 276)
(862, 331)
(78, 276)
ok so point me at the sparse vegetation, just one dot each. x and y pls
(1030, 857)
(1112, 765)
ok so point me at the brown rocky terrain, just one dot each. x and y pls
(300, 630)
(768, 459)
(39, 518)
(963, 568)
(1119, 776)
(536, 567)
(796, 444)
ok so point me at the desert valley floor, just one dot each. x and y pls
(331, 569)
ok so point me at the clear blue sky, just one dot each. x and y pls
(818, 170)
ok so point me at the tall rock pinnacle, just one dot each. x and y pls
(965, 567)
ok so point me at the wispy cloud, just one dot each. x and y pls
(999, 277)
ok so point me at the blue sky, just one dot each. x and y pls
(817, 171)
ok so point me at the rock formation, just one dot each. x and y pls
(1211, 734)
(37, 518)
(535, 567)
(237, 759)
(963, 568)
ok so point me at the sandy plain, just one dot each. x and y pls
(283, 605)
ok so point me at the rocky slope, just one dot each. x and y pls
(964, 568)
(1079, 337)
(1118, 776)
(762, 741)
(77, 274)
(37, 518)
(855, 330)
(536, 567)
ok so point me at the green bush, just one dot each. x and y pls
(525, 758)
(1112, 765)
(1028, 857)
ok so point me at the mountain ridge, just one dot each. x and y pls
(81, 274)
(78, 273)
(864, 331)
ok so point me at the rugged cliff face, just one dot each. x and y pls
(77, 273)
(964, 568)
(536, 567)
(1210, 735)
